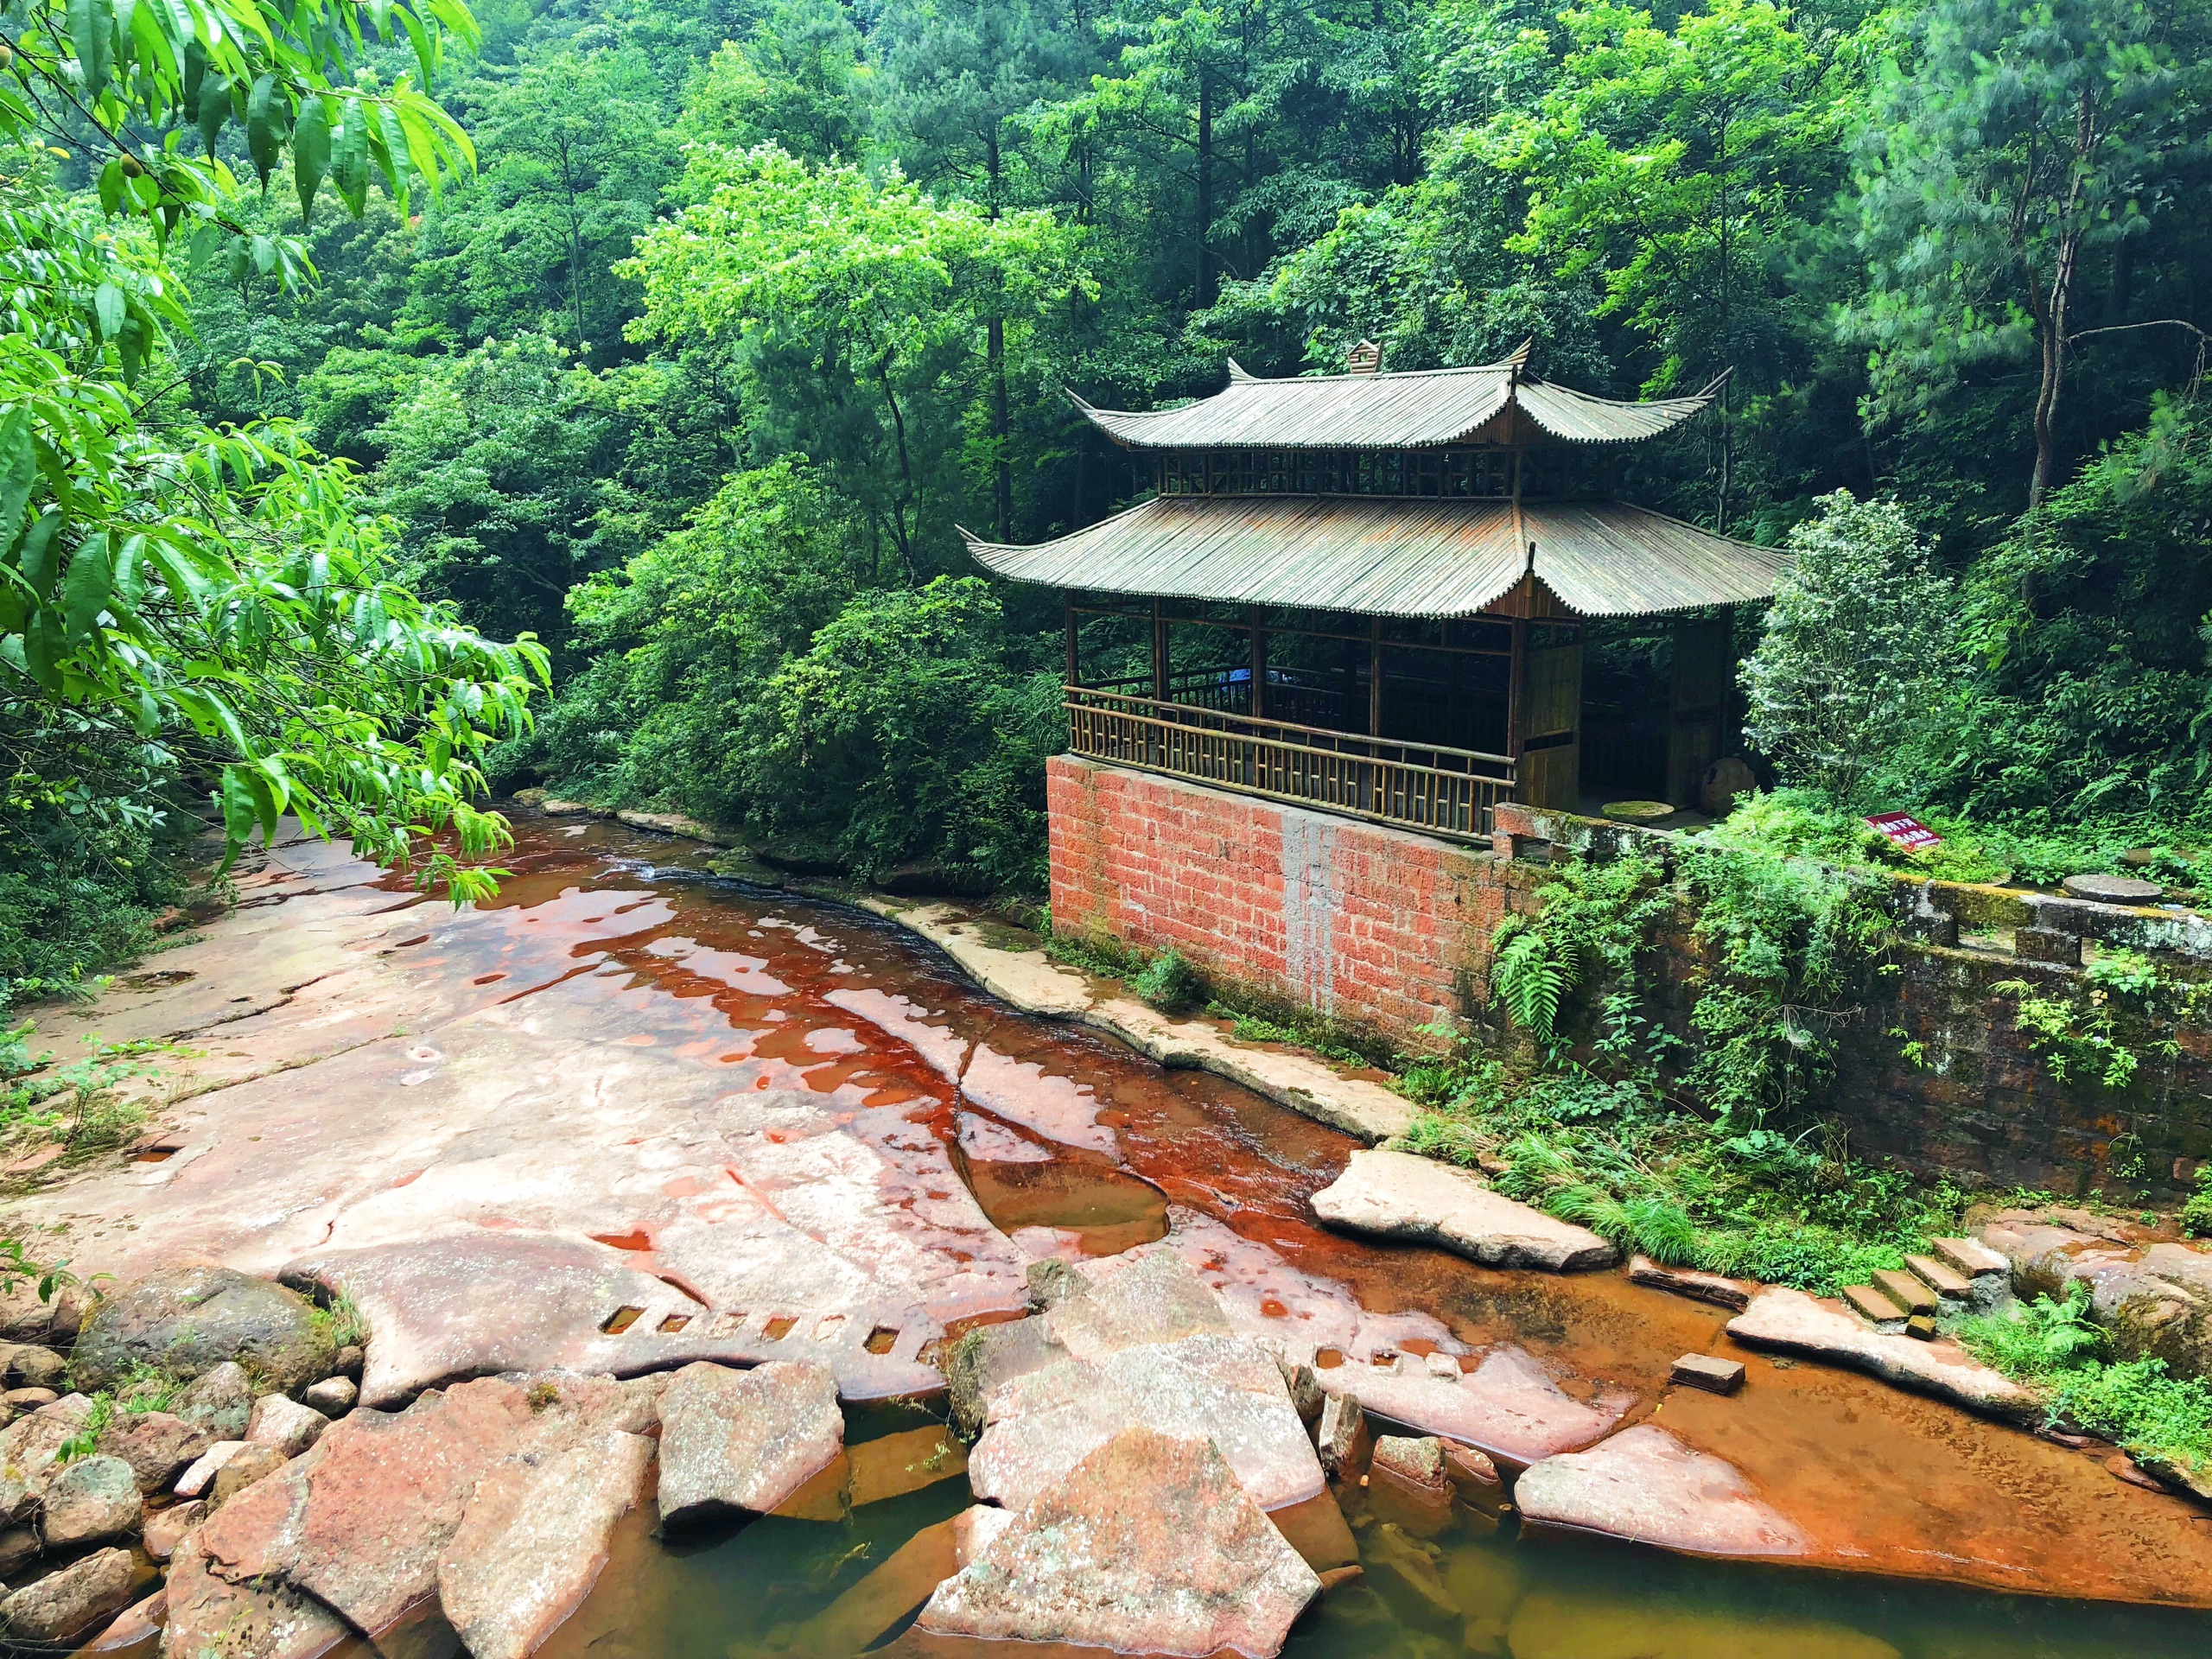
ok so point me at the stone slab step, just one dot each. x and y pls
(1969, 1255)
(1941, 1277)
(1907, 1292)
(1871, 1304)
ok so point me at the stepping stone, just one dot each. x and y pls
(1402, 1195)
(1969, 1255)
(1907, 1292)
(1921, 1326)
(1686, 1282)
(1795, 1323)
(1945, 1280)
(1871, 1304)
(1706, 1371)
(2113, 889)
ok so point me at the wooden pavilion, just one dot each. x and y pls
(1367, 593)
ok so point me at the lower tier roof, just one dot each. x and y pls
(1380, 555)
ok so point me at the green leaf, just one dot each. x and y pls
(350, 158)
(18, 471)
(310, 150)
(241, 807)
(214, 110)
(39, 562)
(265, 142)
(92, 33)
(85, 590)
(107, 306)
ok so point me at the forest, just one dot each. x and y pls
(400, 404)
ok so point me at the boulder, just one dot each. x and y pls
(209, 1614)
(134, 1629)
(1148, 1545)
(988, 1356)
(1688, 1281)
(1475, 1478)
(157, 1445)
(19, 1547)
(32, 1367)
(350, 1360)
(285, 1424)
(334, 1396)
(27, 1399)
(187, 1320)
(65, 1606)
(1792, 1322)
(165, 1529)
(1407, 1484)
(2156, 1302)
(31, 1448)
(1041, 1425)
(219, 1400)
(200, 1475)
(1643, 1484)
(1152, 1296)
(248, 1466)
(975, 1528)
(745, 1440)
(1402, 1195)
(533, 1540)
(91, 1501)
(26, 1317)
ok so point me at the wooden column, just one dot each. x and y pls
(1259, 698)
(1375, 676)
(1516, 679)
(1158, 654)
(1075, 673)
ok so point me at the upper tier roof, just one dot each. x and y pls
(1495, 403)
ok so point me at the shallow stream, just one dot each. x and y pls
(1072, 1142)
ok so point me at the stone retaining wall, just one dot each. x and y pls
(1378, 928)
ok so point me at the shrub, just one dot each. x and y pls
(1169, 982)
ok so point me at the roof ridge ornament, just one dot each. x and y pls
(1365, 357)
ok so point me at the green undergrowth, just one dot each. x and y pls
(2053, 1347)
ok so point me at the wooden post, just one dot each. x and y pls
(1158, 654)
(1375, 676)
(1517, 694)
(1259, 698)
(1075, 673)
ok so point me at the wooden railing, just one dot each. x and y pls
(1294, 696)
(1437, 791)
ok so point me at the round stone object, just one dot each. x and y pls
(1637, 812)
(187, 1320)
(2114, 889)
(1724, 780)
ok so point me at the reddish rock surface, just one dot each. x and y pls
(1402, 1195)
(745, 1440)
(1646, 1485)
(207, 1613)
(157, 1445)
(71, 1604)
(1793, 1322)
(1149, 1546)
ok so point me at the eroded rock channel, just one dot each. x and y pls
(630, 1119)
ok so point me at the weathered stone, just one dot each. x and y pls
(1318, 1531)
(1688, 1281)
(1305, 1390)
(974, 1528)
(1874, 1306)
(285, 1424)
(1041, 1425)
(745, 1440)
(1579, 1624)
(1148, 1545)
(19, 1547)
(1940, 1276)
(2156, 1303)
(157, 1445)
(1905, 1289)
(2113, 889)
(67, 1605)
(1418, 1460)
(1400, 1195)
(988, 1356)
(1709, 1372)
(2052, 944)
(1152, 1297)
(27, 1399)
(1476, 1478)
(200, 1474)
(1795, 1323)
(248, 1466)
(1511, 1404)
(253, 1619)
(137, 1628)
(92, 1499)
(1920, 1326)
(334, 1396)
(350, 1360)
(1407, 1484)
(187, 1320)
(1645, 1485)
(533, 1540)
(26, 1317)
(165, 1529)
(1970, 1256)
(29, 1450)
(219, 1400)
(1052, 1281)
(33, 1367)
(1341, 1437)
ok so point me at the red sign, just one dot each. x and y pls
(1906, 831)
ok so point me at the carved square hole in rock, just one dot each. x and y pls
(1382, 1359)
(620, 1320)
(777, 1328)
(881, 1340)
(672, 1324)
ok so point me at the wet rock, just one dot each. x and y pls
(1793, 1322)
(1041, 1425)
(1413, 1564)
(92, 1500)
(533, 1540)
(1341, 1437)
(1510, 1405)
(1645, 1485)
(200, 1475)
(1052, 1281)
(209, 1614)
(894, 1465)
(1305, 1390)
(334, 1396)
(1709, 1372)
(1688, 1281)
(249, 1465)
(65, 1606)
(157, 1445)
(29, 1450)
(1402, 1195)
(138, 1625)
(1578, 1624)
(1148, 1545)
(745, 1440)
(1407, 1484)
(165, 1529)
(1151, 1297)
(1475, 1478)
(988, 1356)
(219, 1400)
(187, 1320)
(285, 1424)
(19, 1547)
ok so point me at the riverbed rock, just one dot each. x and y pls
(2156, 1302)
(165, 1529)
(187, 1320)
(254, 1619)
(1475, 1478)
(134, 1629)
(745, 1440)
(1341, 1437)
(1150, 1296)
(334, 1396)
(248, 1466)
(30, 1366)
(1511, 1405)
(1644, 1484)
(157, 1445)
(1792, 1322)
(285, 1424)
(65, 1606)
(1402, 1195)
(985, 1357)
(199, 1476)
(19, 1547)
(1407, 1484)
(92, 1500)
(1041, 1425)
(1148, 1544)
(21, 1399)
(219, 1400)
(1688, 1281)
(533, 1540)
(26, 1317)
(31, 1448)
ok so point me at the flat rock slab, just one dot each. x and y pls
(1148, 1545)
(190, 1319)
(208, 1613)
(1645, 1485)
(1510, 1405)
(2114, 889)
(745, 1440)
(1792, 1322)
(1231, 1391)
(1688, 1281)
(1706, 1371)
(1148, 1296)
(69, 1605)
(1400, 1195)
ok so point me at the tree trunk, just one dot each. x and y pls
(1204, 271)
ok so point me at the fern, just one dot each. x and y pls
(1531, 982)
